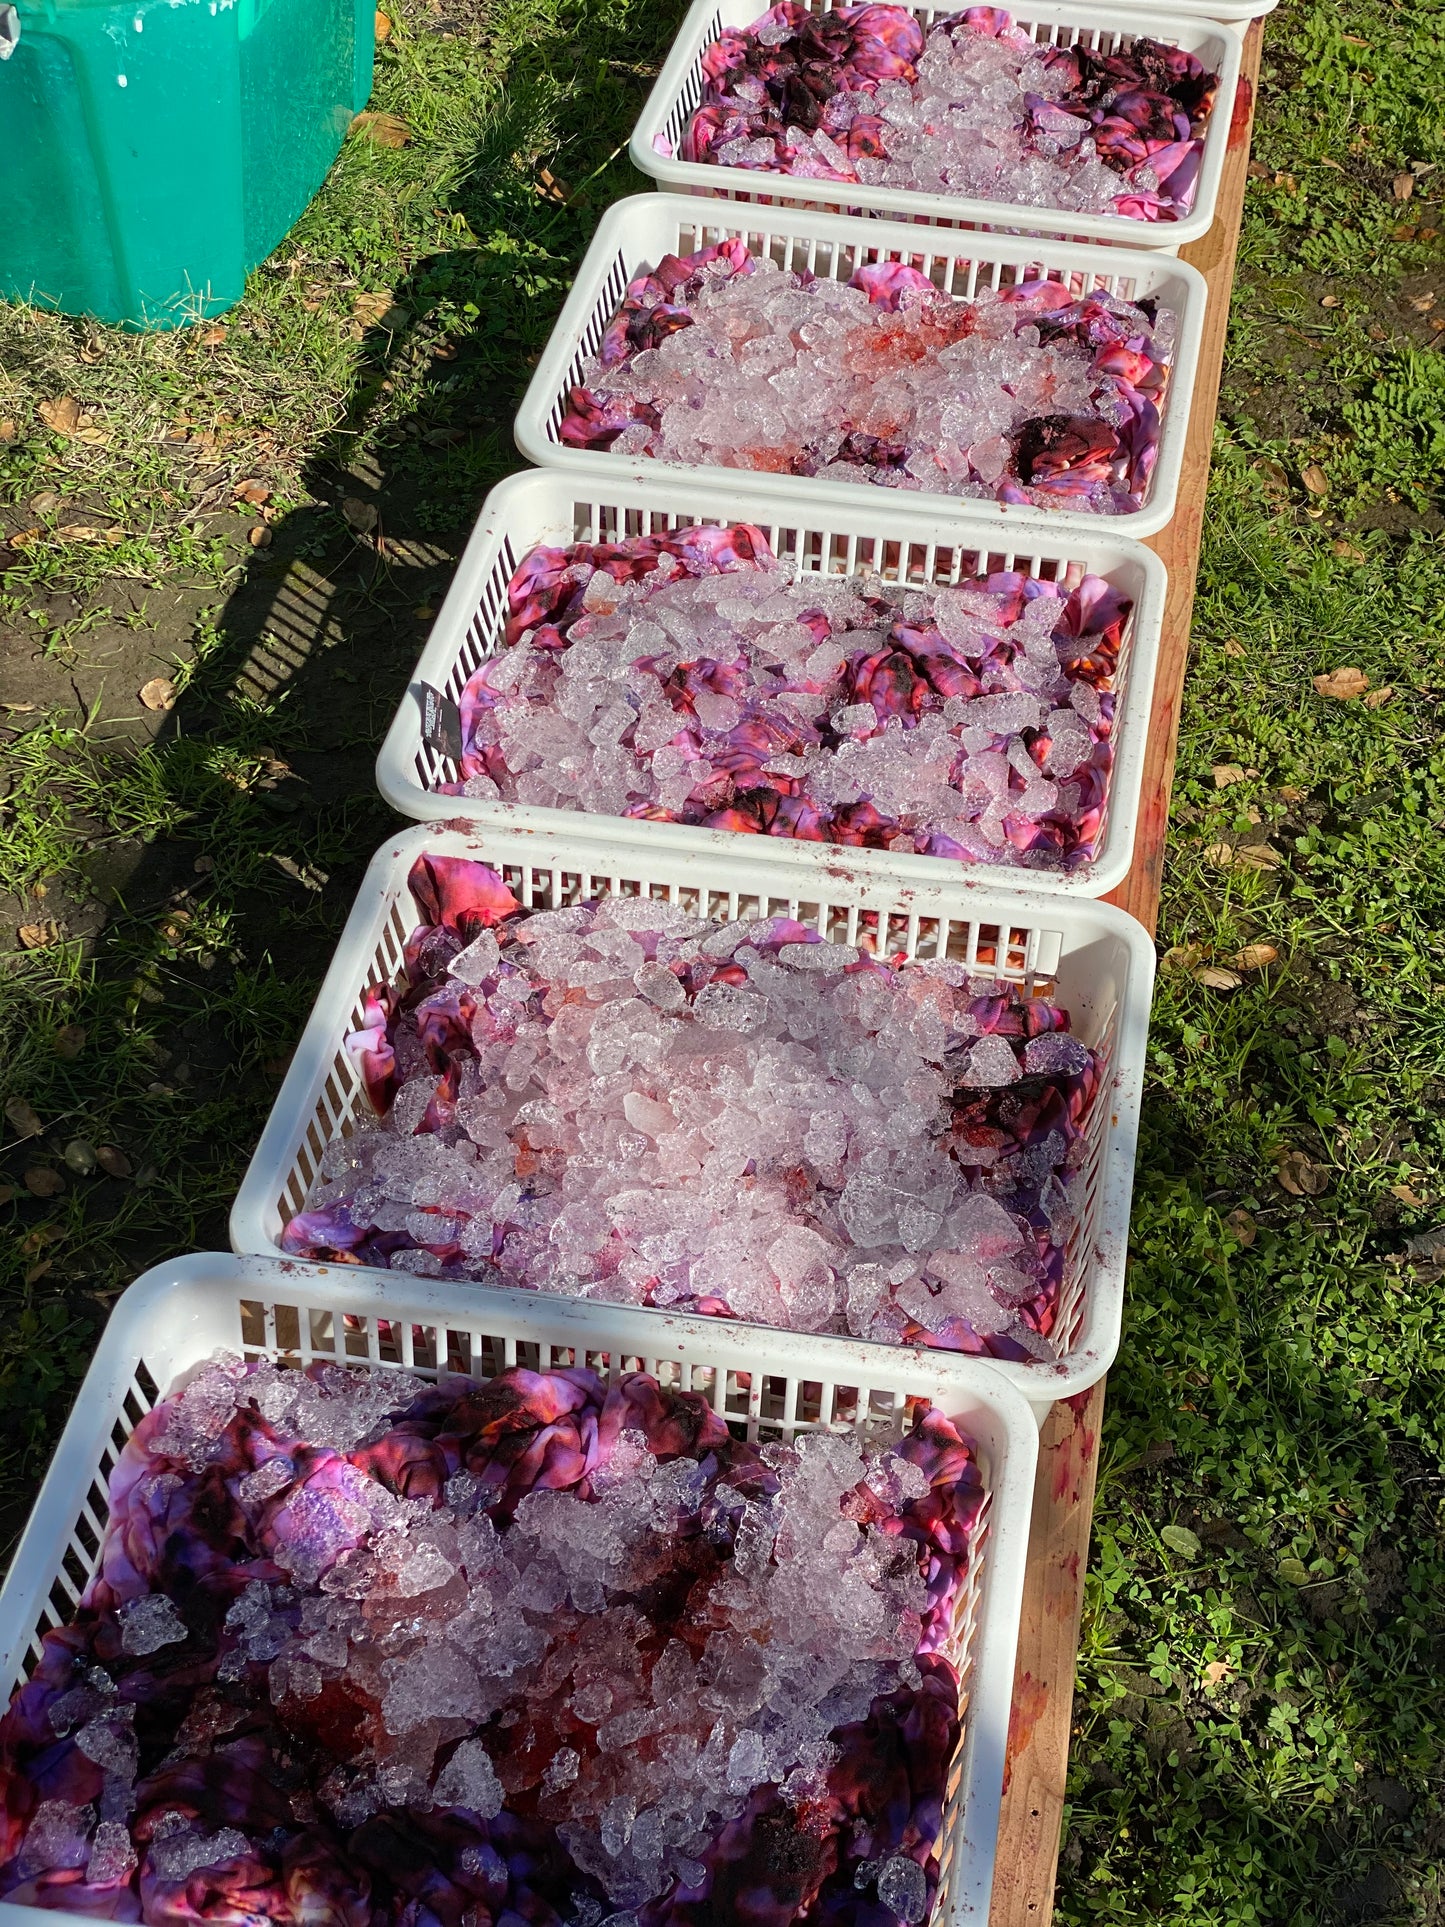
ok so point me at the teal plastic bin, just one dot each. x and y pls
(155, 152)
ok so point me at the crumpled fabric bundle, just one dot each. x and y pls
(799, 89)
(553, 1196)
(900, 664)
(201, 1743)
(638, 395)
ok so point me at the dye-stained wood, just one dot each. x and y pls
(1038, 1749)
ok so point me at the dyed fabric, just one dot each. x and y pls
(686, 678)
(973, 108)
(363, 1650)
(1025, 393)
(623, 1102)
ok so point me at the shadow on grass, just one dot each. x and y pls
(205, 874)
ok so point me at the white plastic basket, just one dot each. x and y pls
(679, 90)
(635, 234)
(1098, 961)
(554, 508)
(763, 1385)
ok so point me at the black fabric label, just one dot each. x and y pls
(441, 722)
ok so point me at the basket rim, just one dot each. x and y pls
(535, 493)
(162, 1294)
(638, 225)
(749, 873)
(918, 204)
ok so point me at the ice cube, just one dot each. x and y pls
(150, 1622)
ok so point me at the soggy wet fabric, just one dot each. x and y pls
(260, 1712)
(1024, 393)
(974, 107)
(622, 1102)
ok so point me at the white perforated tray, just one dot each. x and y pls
(635, 234)
(764, 1384)
(556, 508)
(679, 90)
(1095, 959)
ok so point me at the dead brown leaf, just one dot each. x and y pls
(113, 1161)
(1234, 649)
(9, 432)
(62, 414)
(256, 493)
(214, 335)
(1407, 1196)
(1329, 301)
(1184, 956)
(159, 693)
(1422, 303)
(1240, 1223)
(383, 130)
(1403, 186)
(1255, 956)
(1315, 479)
(1226, 773)
(42, 1182)
(69, 1041)
(1257, 856)
(1342, 685)
(1347, 552)
(1217, 1671)
(1213, 978)
(550, 188)
(383, 28)
(1377, 698)
(23, 1117)
(1287, 793)
(1300, 1176)
(361, 516)
(38, 936)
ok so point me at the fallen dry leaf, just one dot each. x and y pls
(383, 130)
(1403, 186)
(23, 1117)
(112, 1161)
(46, 502)
(42, 1182)
(1234, 649)
(259, 537)
(1315, 479)
(383, 28)
(1348, 552)
(69, 1041)
(1184, 956)
(1242, 1227)
(1329, 301)
(38, 936)
(1217, 1671)
(256, 493)
(1353, 40)
(550, 188)
(8, 431)
(1342, 685)
(1422, 303)
(1300, 1176)
(1226, 773)
(1257, 856)
(159, 693)
(214, 335)
(63, 414)
(362, 516)
(1255, 956)
(1287, 793)
(1213, 978)
(1377, 698)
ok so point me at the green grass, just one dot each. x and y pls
(1259, 1720)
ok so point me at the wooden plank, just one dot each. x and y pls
(1038, 1748)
